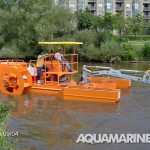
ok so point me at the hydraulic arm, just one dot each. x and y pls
(115, 73)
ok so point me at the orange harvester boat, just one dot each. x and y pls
(16, 77)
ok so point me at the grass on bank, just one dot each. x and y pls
(5, 110)
(138, 45)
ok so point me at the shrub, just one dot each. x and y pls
(121, 39)
(128, 52)
(89, 53)
(86, 36)
(103, 36)
(109, 50)
(146, 51)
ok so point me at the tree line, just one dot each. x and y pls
(24, 23)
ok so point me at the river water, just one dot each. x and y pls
(44, 122)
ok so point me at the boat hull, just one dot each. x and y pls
(91, 94)
(44, 89)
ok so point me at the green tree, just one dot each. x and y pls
(128, 26)
(84, 19)
(55, 19)
(146, 28)
(109, 21)
(24, 23)
(134, 25)
(98, 23)
(16, 26)
(137, 24)
(119, 22)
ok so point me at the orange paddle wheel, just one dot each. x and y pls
(13, 79)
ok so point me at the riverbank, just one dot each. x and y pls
(5, 143)
(140, 62)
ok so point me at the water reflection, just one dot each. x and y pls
(44, 121)
(29, 103)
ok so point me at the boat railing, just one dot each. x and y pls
(12, 60)
(55, 69)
